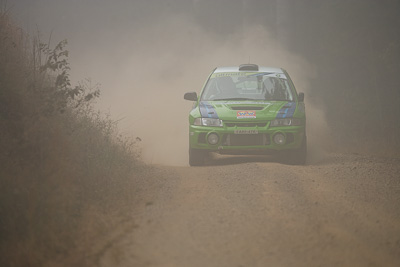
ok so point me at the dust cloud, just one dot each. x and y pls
(147, 54)
(174, 58)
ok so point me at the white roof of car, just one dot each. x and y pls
(260, 69)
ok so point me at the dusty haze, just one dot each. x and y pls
(145, 63)
(177, 57)
(73, 192)
(147, 54)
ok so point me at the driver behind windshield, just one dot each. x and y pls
(249, 87)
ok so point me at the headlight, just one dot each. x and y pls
(207, 122)
(285, 122)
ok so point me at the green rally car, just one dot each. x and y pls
(247, 110)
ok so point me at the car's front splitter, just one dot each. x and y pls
(247, 140)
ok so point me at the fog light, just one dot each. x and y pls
(279, 139)
(212, 139)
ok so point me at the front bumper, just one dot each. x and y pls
(246, 140)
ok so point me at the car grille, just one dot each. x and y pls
(246, 140)
(247, 108)
(245, 124)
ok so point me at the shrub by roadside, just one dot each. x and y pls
(58, 157)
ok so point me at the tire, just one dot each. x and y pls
(298, 156)
(196, 157)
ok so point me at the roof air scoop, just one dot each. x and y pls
(253, 67)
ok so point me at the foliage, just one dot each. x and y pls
(60, 93)
(59, 158)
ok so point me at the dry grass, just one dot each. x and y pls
(59, 159)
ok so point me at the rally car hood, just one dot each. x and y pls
(247, 110)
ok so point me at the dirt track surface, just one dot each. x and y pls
(248, 211)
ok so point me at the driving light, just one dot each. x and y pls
(208, 122)
(279, 139)
(212, 139)
(285, 122)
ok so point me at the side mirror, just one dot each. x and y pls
(300, 97)
(192, 96)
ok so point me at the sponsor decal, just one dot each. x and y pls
(245, 131)
(260, 74)
(246, 114)
(223, 74)
(248, 74)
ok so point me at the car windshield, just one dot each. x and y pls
(247, 86)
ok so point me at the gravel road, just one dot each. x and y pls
(342, 210)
